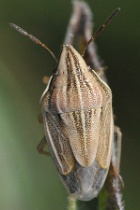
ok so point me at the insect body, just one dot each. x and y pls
(78, 121)
(77, 115)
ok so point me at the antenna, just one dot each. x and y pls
(101, 28)
(33, 38)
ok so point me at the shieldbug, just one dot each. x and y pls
(78, 121)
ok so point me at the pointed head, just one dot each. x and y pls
(69, 60)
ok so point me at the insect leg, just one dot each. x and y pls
(117, 153)
(40, 118)
(117, 148)
(46, 80)
(41, 146)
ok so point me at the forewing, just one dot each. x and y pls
(58, 143)
(105, 136)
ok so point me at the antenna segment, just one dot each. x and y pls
(33, 38)
(102, 27)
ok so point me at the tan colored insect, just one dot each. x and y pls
(77, 116)
(78, 121)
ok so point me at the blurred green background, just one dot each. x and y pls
(29, 181)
